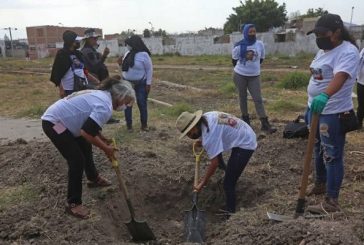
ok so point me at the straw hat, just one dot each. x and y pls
(187, 120)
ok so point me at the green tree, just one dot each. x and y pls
(146, 33)
(315, 12)
(160, 33)
(264, 14)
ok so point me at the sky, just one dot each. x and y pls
(174, 16)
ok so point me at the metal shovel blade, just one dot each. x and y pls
(140, 231)
(195, 221)
(278, 217)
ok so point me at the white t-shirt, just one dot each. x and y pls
(343, 58)
(253, 55)
(73, 110)
(68, 78)
(226, 132)
(361, 68)
(142, 69)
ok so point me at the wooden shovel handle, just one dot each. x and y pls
(197, 165)
(308, 155)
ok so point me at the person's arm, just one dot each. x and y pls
(210, 171)
(92, 62)
(62, 94)
(336, 83)
(97, 141)
(234, 62)
(60, 67)
(103, 138)
(92, 78)
(148, 66)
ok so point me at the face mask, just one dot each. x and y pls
(77, 45)
(252, 37)
(324, 43)
(121, 108)
(129, 47)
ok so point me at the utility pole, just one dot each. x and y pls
(351, 18)
(11, 40)
(151, 28)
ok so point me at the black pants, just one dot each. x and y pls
(360, 113)
(78, 153)
(238, 160)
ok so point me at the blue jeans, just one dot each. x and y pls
(141, 97)
(329, 153)
(238, 160)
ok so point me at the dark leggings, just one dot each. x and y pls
(360, 113)
(238, 160)
(78, 153)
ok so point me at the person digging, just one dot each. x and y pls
(219, 132)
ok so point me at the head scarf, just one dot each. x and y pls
(245, 42)
(137, 45)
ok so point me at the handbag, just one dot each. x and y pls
(296, 129)
(349, 122)
(79, 83)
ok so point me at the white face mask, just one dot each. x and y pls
(121, 108)
(129, 47)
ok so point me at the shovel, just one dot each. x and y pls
(300, 207)
(195, 219)
(139, 230)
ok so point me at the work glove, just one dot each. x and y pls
(319, 102)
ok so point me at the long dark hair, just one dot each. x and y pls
(137, 45)
(203, 121)
(346, 36)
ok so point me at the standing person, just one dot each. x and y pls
(360, 89)
(137, 68)
(219, 132)
(68, 64)
(333, 70)
(74, 123)
(94, 61)
(247, 55)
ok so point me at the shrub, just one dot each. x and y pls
(295, 80)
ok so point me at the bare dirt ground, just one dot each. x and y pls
(158, 169)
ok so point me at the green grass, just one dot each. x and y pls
(176, 109)
(285, 105)
(35, 111)
(14, 195)
(294, 80)
(227, 88)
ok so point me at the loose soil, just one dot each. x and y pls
(159, 174)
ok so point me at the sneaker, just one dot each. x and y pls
(99, 182)
(77, 210)
(317, 189)
(329, 205)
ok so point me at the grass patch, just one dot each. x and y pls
(286, 105)
(176, 110)
(34, 111)
(14, 195)
(294, 80)
(227, 88)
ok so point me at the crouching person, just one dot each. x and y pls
(74, 124)
(219, 132)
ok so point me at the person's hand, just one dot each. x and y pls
(62, 93)
(110, 152)
(319, 102)
(199, 187)
(147, 88)
(106, 52)
(120, 60)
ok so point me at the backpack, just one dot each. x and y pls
(296, 129)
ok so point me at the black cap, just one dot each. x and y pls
(70, 37)
(327, 22)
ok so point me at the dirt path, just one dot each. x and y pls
(27, 129)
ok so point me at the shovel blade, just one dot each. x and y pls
(280, 218)
(140, 231)
(195, 222)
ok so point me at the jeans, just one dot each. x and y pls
(244, 83)
(78, 153)
(239, 158)
(329, 153)
(360, 113)
(141, 97)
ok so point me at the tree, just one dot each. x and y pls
(265, 14)
(160, 33)
(315, 12)
(146, 33)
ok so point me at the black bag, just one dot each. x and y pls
(349, 122)
(79, 83)
(296, 129)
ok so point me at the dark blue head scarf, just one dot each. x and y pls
(245, 42)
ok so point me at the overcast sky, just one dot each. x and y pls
(114, 16)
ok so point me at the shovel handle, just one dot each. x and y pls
(122, 185)
(198, 156)
(308, 159)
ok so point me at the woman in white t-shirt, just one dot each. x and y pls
(74, 123)
(219, 132)
(247, 55)
(360, 89)
(334, 70)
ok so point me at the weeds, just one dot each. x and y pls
(294, 80)
(15, 195)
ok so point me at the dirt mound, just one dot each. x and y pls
(33, 185)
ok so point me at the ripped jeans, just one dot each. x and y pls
(329, 153)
